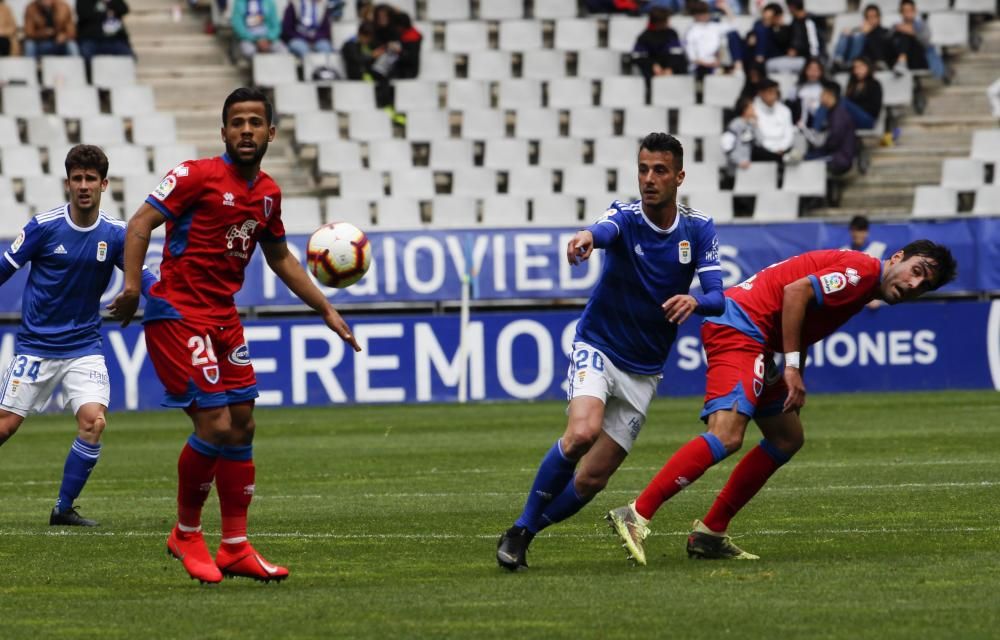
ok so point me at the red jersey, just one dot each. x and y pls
(844, 282)
(214, 221)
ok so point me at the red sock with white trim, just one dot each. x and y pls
(684, 467)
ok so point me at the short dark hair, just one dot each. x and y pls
(775, 7)
(831, 86)
(903, 3)
(766, 83)
(795, 5)
(872, 7)
(658, 16)
(247, 94)
(858, 223)
(946, 268)
(698, 7)
(742, 104)
(664, 143)
(87, 156)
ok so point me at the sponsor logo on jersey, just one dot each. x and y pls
(102, 251)
(852, 277)
(833, 282)
(211, 373)
(181, 171)
(228, 199)
(165, 188)
(12, 389)
(17, 242)
(638, 250)
(60, 251)
(684, 251)
(712, 255)
(580, 376)
(634, 426)
(240, 356)
(243, 233)
(268, 204)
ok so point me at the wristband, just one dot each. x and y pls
(792, 360)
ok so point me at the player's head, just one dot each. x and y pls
(86, 177)
(858, 228)
(247, 125)
(917, 268)
(661, 169)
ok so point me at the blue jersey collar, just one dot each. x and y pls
(649, 223)
(76, 227)
(229, 163)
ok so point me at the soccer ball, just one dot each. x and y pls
(338, 254)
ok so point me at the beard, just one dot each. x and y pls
(238, 160)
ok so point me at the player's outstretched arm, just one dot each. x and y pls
(137, 235)
(797, 297)
(286, 267)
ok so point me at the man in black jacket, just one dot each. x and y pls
(100, 30)
(807, 36)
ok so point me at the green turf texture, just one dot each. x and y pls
(884, 526)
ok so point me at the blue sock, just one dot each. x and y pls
(566, 504)
(79, 463)
(553, 474)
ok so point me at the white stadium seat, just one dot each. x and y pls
(338, 155)
(536, 123)
(154, 128)
(316, 127)
(556, 153)
(520, 35)
(356, 211)
(389, 154)
(75, 102)
(272, 69)
(930, 201)
(759, 177)
(361, 183)
(505, 211)
(301, 214)
(454, 212)
(112, 71)
(962, 174)
(63, 71)
(474, 182)
(295, 98)
(555, 210)
(102, 130)
(776, 206)
(398, 213)
(576, 34)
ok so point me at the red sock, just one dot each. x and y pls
(234, 482)
(684, 467)
(747, 478)
(194, 481)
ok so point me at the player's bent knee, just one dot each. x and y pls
(578, 440)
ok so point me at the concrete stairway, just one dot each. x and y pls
(191, 75)
(944, 130)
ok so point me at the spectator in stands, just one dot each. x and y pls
(358, 53)
(871, 39)
(100, 30)
(775, 129)
(808, 91)
(807, 36)
(658, 50)
(859, 230)
(911, 40)
(630, 7)
(9, 45)
(740, 138)
(305, 27)
(769, 42)
(410, 42)
(710, 45)
(863, 99)
(993, 94)
(257, 28)
(49, 29)
(839, 143)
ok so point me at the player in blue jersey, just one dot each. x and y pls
(72, 250)
(653, 249)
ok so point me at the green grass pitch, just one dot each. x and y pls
(884, 526)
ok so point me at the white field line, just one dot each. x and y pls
(847, 531)
(854, 488)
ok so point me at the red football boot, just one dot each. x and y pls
(190, 549)
(242, 560)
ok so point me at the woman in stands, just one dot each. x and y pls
(863, 97)
(808, 90)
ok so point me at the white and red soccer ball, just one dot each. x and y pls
(338, 254)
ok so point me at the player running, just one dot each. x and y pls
(653, 249)
(216, 211)
(782, 309)
(73, 250)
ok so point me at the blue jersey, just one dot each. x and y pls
(644, 267)
(70, 270)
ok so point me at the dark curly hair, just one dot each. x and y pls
(87, 156)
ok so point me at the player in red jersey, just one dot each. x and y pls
(216, 211)
(782, 309)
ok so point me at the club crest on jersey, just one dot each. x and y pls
(852, 277)
(268, 203)
(17, 242)
(165, 188)
(833, 282)
(240, 356)
(102, 251)
(243, 234)
(684, 251)
(211, 373)
(228, 199)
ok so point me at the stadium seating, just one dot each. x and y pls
(930, 201)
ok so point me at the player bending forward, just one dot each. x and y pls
(216, 210)
(782, 309)
(72, 250)
(653, 249)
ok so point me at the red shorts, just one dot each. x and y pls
(741, 372)
(201, 364)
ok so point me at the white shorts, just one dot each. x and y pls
(29, 382)
(626, 396)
